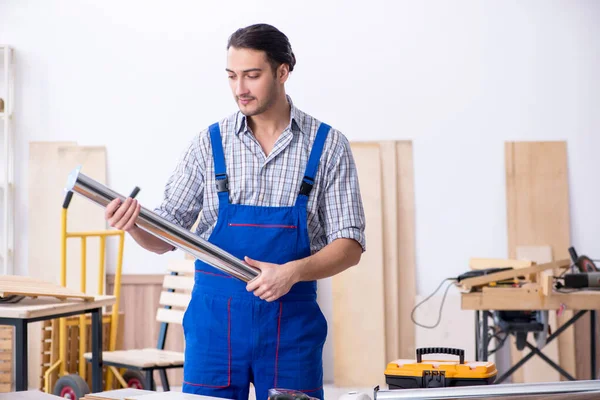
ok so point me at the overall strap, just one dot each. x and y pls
(222, 182)
(313, 162)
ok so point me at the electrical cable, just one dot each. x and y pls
(412, 314)
(500, 341)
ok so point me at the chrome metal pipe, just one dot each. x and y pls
(167, 231)
(491, 391)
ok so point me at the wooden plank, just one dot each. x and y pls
(185, 266)
(500, 276)
(6, 360)
(178, 282)
(170, 316)
(528, 299)
(43, 307)
(6, 332)
(174, 299)
(389, 174)
(49, 165)
(358, 337)
(537, 370)
(537, 191)
(24, 287)
(406, 247)
(142, 358)
(484, 263)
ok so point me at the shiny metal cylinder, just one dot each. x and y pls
(506, 391)
(165, 230)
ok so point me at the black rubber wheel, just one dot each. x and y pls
(71, 387)
(135, 379)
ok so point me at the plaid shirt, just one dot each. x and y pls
(334, 208)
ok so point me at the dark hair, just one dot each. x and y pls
(266, 38)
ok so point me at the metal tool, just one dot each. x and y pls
(504, 391)
(165, 230)
(582, 280)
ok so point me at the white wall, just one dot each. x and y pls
(457, 77)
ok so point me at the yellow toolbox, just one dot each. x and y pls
(419, 373)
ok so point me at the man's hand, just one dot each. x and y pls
(274, 280)
(122, 215)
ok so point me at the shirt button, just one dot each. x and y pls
(261, 197)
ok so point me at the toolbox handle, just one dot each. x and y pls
(440, 350)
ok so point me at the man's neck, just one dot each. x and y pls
(272, 122)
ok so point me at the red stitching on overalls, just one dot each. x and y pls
(266, 225)
(229, 348)
(277, 354)
(212, 273)
(277, 349)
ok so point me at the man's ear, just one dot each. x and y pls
(283, 72)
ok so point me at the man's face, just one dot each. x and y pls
(253, 84)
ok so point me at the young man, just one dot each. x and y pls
(278, 189)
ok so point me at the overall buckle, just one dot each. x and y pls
(222, 184)
(306, 187)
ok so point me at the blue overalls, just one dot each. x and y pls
(232, 337)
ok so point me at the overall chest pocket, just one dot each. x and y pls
(272, 242)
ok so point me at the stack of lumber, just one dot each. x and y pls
(371, 316)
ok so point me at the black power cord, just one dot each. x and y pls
(412, 314)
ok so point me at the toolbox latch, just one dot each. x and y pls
(433, 379)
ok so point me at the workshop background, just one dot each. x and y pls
(449, 81)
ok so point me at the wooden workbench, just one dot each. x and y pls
(30, 310)
(529, 299)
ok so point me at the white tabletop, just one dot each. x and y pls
(172, 396)
(30, 395)
(135, 394)
(48, 306)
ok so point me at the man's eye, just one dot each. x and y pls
(252, 76)
(231, 77)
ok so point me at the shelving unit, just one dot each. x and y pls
(7, 161)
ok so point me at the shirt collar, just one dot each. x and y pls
(296, 120)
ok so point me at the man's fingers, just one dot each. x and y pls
(118, 215)
(268, 294)
(253, 284)
(260, 291)
(128, 212)
(253, 263)
(123, 209)
(111, 208)
(131, 217)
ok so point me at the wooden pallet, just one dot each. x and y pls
(13, 285)
(6, 358)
